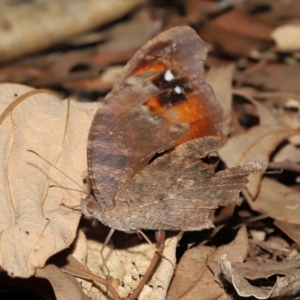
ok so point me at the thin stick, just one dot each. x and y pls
(157, 255)
(146, 277)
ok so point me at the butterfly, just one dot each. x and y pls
(148, 142)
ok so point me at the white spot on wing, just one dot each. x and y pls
(178, 90)
(169, 76)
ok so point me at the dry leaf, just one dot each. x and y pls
(278, 201)
(288, 152)
(285, 287)
(257, 143)
(274, 77)
(35, 225)
(193, 278)
(220, 80)
(287, 37)
(192, 275)
(237, 32)
(57, 21)
(266, 268)
(64, 286)
(10, 91)
(266, 117)
(291, 230)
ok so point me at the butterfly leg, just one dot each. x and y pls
(160, 236)
(102, 249)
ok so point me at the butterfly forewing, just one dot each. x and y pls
(160, 102)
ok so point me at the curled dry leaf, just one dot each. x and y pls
(285, 287)
(34, 223)
(266, 268)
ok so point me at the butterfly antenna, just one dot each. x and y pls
(66, 188)
(48, 162)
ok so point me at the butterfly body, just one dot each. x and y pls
(147, 142)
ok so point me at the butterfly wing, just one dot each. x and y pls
(161, 101)
(179, 191)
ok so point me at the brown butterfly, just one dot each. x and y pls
(147, 143)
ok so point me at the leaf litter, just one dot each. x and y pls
(254, 249)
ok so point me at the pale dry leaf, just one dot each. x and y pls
(220, 80)
(258, 235)
(278, 201)
(11, 91)
(34, 223)
(57, 20)
(80, 247)
(286, 37)
(64, 286)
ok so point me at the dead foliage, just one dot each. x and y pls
(57, 57)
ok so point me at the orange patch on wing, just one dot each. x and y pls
(188, 111)
(199, 129)
(155, 106)
(156, 66)
(197, 115)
